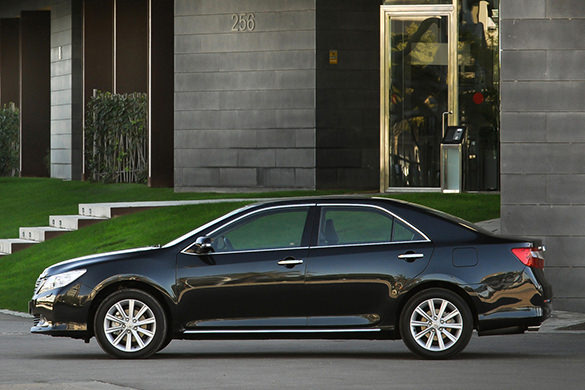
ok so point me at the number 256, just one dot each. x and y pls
(243, 22)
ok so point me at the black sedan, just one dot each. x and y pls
(303, 268)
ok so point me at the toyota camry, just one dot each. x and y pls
(335, 267)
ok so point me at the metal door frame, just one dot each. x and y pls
(386, 13)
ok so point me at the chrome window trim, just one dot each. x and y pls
(245, 216)
(370, 244)
(245, 251)
(240, 331)
(426, 238)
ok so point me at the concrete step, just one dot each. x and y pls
(115, 209)
(11, 245)
(40, 234)
(72, 222)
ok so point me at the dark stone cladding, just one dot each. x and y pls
(347, 106)
(542, 137)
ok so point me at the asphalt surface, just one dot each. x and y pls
(544, 360)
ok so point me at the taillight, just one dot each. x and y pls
(531, 257)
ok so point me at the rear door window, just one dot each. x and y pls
(345, 225)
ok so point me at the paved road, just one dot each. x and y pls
(533, 361)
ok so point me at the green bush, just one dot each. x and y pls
(9, 141)
(116, 138)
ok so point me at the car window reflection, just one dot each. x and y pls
(359, 225)
(268, 230)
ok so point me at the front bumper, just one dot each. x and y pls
(58, 315)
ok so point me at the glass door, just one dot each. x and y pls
(418, 99)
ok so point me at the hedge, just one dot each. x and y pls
(9, 140)
(116, 138)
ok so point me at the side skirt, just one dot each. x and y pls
(255, 334)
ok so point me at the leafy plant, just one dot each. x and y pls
(9, 140)
(116, 139)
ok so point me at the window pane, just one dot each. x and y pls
(342, 225)
(272, 229)
(402, 232)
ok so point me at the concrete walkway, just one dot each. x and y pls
(491, 225)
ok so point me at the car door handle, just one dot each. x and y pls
(411, 256)
(290, 262)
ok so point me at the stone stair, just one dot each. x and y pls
(11, 245)
(40, 234)
(89, 213)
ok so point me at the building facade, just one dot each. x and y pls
(543, 135)
(257, 95)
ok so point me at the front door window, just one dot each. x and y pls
(281, 228)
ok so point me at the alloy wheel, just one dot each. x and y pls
(436, 324)
(129, 325)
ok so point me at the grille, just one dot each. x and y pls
(36, 319)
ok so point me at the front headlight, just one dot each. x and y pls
(60, 280)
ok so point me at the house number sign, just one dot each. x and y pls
(243, 22)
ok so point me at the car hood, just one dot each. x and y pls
(82, 262)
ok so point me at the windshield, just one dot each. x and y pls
(203, 227)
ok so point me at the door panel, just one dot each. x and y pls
(358, 285)
(221, 290)
(363, 257)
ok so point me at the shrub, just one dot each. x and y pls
(9, 140)
(116, 138)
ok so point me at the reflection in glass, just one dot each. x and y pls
(266, 230)
(418, 97)
(479, 92)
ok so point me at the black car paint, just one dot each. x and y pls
(230, 291)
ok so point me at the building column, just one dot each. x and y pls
(131, 55)
(98, 52)
(9, 61)
(77, 108)
(160, 93)
(35, 93)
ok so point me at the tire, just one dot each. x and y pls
(165, 343)
(436, 324)
(130, 324)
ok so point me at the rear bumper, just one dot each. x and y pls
(522, 301)
(517, 321)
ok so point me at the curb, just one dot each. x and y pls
(15, 313)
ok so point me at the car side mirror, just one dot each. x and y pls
(203, 245)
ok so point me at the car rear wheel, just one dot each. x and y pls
(436, 324)
(130, 324)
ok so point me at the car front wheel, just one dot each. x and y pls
(436, 324)
(130, 324)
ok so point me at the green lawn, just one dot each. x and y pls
(29, 202)
(471, 207)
